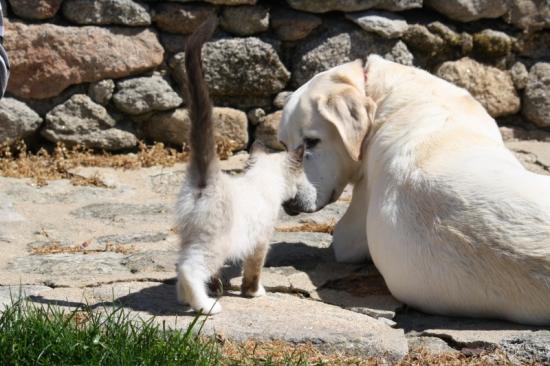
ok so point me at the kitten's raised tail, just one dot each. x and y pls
(202, 142)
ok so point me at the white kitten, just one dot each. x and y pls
(221, 217)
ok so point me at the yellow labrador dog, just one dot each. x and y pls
(454, 223)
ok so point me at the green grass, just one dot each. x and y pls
(34, 334)
(46, 335)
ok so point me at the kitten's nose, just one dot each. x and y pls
(292, 207)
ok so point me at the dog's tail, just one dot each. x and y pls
(202, 142)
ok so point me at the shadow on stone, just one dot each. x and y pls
(297, 255)
(156, 300)
(39, 299)
(411, 320)
(159, 300)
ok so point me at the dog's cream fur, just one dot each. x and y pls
(454, 223)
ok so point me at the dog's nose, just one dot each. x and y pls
(292, 208)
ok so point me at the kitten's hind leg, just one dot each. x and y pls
(193, 276)
(252, 286)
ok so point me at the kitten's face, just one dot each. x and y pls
(302, 193)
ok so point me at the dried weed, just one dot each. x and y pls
(17, 162)
(309, 227)
(284, 353)
(56, 248)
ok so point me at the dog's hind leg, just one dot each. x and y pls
(193, 276)
(252, 286)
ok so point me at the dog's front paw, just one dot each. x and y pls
(349, 246)
(249, 292)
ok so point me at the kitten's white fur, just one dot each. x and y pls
(222, 217)
(232, 218)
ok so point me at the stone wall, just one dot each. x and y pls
(107, 73)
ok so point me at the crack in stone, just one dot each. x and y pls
(453, 343)
(536, 160)
(169, 281)
(279, 289)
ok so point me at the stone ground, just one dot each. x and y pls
(68, 245)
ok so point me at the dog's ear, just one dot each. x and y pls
(352, 113)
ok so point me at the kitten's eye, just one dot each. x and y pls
(284, 145)
(310, 143)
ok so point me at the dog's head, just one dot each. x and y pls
(328, 117)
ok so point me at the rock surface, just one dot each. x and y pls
(17, 120)
(492, 87)
(400, 54)
(266, 132)
(492, 44)
(291, 25)
(385, 24)
(238, 67)
(519, 75)
(122, 12)
(536, 98)
(217, 2)
(328, 51)
(245, 20)
(118, 246)
(529, 15)
(145, 94)
(178, 18)
(281, 99)
(102, 91)
(419, 38)
(523, 344)
(323, 6)
(535, 155)
(172, 127)
(80, 121)
(35, 9)
(10, 294)
(46, 59)
(274, 316)
(469, 10)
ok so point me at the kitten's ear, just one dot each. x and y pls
(297, 155)
(258, 148)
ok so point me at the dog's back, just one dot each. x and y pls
(472, 226)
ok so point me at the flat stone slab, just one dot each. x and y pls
(65, 245)
(120, 211)
(524, 343)
(11, 294)
(8, 213)
(274, 316)
(71, 265)
(535, 155)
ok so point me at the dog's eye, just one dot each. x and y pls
(310, 143)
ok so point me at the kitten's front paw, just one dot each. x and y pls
(209, 307)
(248, 292)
